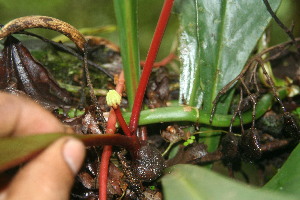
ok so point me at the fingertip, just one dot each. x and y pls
(73, 153)
(51, 174)
(21, 116)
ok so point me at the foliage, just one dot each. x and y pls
(127, 23)
(195, 183)
(287, 178)
(216, 38)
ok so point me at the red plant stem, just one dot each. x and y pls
(132, 143)
(103, 172)
(107, 150)
(105, 157)
(163, 62)
(158, 34)
(121, 121)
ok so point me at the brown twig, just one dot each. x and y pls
(281, 25)
(238, 112)
(253, 100)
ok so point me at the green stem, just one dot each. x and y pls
(192, 114)
(168, 148)
(126, 15)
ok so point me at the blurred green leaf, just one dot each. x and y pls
(17, 150)
(14, 151)
(288, 177)
(126, 14)
(297, 112)
(196, 183)
(87, 31)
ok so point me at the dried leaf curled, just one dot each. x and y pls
(36, 21)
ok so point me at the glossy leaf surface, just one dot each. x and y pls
(197, 183)
(216, 40)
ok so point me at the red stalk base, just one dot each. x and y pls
(107, 150)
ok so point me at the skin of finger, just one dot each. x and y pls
(21, 116)
(47, 177)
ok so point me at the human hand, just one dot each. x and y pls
(50, 175)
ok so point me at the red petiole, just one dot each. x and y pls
(121, 121)
(155, 44)
(107, 150)
(163, 62)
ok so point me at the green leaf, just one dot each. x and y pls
(216, 40)
(17, 150)
(126, 15)
(288, 177)
(196, 183)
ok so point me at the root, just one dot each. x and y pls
(251, 67)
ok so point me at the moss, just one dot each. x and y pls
(66, 68)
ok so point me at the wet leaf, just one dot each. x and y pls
(196, 183)
(216, 40)
(21, 72)
(288, 176)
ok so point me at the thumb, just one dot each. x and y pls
(50, 175)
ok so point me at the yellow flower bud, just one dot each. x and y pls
(113, 98)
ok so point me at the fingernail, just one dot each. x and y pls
(73, 152)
